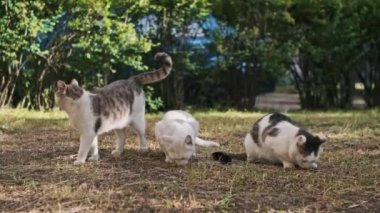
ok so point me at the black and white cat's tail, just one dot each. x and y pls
(224, 158)
(201, 142)
(157, 75)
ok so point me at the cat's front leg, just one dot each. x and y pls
(287, 165)
(194, 155)
(250, 158)
(168, 160)
(182, 162)
(84, 147)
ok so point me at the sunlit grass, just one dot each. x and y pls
(32, 114)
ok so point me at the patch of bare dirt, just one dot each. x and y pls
(37, 174)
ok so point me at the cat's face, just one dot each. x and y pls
(67, 94)
(179, 149)
(308, 150)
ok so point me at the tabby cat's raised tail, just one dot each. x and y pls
(150, 77)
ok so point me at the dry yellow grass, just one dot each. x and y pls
(36, 172)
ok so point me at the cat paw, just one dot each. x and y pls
(73, 157)
(117, 153)
(93, 158)
(250, 158)
(143, 149)
(287, 165)
(78, 162)
(182, 162)
(314, 166)
(168, 160)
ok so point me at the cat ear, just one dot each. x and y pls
(188, 140)
(301, 140)
(322, 138)
(74, 82)
(61, 87)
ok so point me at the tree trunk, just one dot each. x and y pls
(9, 87)
(376, 90)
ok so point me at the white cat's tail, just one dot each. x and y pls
(224, 158)
(201, 142)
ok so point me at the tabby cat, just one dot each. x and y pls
(112, 107)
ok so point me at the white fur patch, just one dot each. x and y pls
(171, 133)
(281, 147)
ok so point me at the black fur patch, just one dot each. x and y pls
(222, 157)
(274, 132)
(255, 132)
(274, 119)
(312, 143)
(98, 124)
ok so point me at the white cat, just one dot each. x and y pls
(112, 107)
(274, 138)
(177, 134)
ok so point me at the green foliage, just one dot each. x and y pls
(104, 40)
(326, 46)
(330, 41)
(20, 23)
(257, 52)
(95, 45)
(154, 104)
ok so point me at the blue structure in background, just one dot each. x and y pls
(199, 35)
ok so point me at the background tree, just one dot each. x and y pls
(174, 27)
(255, 52)
(20, 24)
(225, 53)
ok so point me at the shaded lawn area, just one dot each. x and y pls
(36, 172)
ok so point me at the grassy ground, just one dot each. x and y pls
(36, 172)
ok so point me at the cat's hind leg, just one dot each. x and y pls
(94, 150)
(84, 147)
(121, 136)
(139, 125)
(251, 148)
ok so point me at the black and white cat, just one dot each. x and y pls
(275, 138)
(177, 134)
(112, 107)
